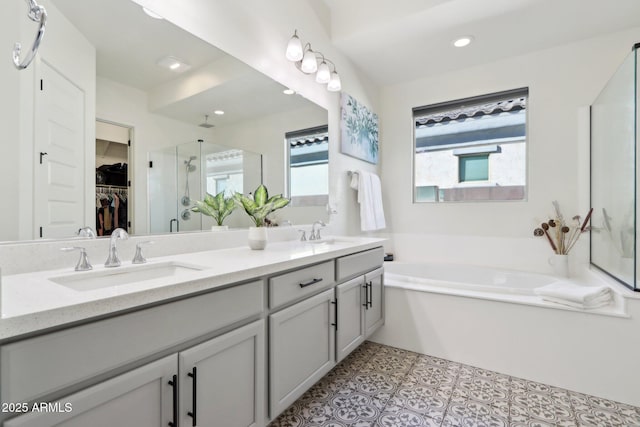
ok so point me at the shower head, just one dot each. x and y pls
(189, 166)
(206, 124)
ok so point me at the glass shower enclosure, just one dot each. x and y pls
(180, 175)
(614, 177)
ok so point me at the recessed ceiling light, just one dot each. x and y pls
(173, 64)
(218, 112)
(288, 91)
(463, 41)
(152, 13)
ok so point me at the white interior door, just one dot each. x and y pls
(59, 179)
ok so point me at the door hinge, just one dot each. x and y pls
(150, 164)
(41, 84)
(41, 232)
(129, 224)
(129, 143)
(129, 183)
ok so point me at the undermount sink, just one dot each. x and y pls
(327, 241)
(92, 280)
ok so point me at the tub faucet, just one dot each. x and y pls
(315, 235)
(113, 260)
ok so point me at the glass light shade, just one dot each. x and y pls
(324, 73)
(309, 63)
(334, 84)
(294, 49)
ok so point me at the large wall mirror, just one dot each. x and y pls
(136, 116)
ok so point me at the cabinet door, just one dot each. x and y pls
(222, 380)
(374, 310)
(302, 349)
(142, 397)
(350, 317)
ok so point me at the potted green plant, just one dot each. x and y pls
(217, 207)
(258, 206)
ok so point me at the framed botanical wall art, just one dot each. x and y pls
(359, 130)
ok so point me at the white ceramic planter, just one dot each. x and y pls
(560, 265)
(257, 238)
(219, 227)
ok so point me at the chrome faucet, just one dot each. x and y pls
(315, 235)
(139, 258)
(83, 262)
(113, 260)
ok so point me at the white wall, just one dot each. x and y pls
(562, 82)
(127, 106)
(257, 32)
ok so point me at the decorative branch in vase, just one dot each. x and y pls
(563, 236)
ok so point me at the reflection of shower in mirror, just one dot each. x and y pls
(186, 199)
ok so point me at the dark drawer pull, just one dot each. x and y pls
(194, 374)
(366, 296)
(174, 384)
(311, 282)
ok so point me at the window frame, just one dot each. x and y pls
(459, 103)
(310, 200)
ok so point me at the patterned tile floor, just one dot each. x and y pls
(385, 386)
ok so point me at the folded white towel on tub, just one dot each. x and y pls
(575, 295)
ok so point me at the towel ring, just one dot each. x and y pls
(36, 13)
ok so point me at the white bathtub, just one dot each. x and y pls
(451, 277)
(492, 319)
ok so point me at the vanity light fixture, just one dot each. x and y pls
(294, 48)
(173, 64)
(463, 41)
(151, 13)
(309, 61)
(218, 112)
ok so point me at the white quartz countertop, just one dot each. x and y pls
(32, 302)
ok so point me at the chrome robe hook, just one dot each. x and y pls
(36, 13)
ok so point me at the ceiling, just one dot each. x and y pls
(402, 40)
(129, 44)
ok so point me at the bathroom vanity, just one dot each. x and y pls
(234, 335)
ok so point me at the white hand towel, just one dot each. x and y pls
(584, 296)
(370, 200)
(602, 303)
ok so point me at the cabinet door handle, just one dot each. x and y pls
(370, 284)
(366, 296)
(336, 314)
(174, 384)
(194, 375)
(310, 282)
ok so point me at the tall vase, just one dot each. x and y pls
(257, 238)
(560, 265)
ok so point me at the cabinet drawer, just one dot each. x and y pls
(354, 265)
(300, 283)
(38, 366)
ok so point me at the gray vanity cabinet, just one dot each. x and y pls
(374, 301)
(350, 316)
(142, 397)
(302, 348)
(360, 311)
(222, 380)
